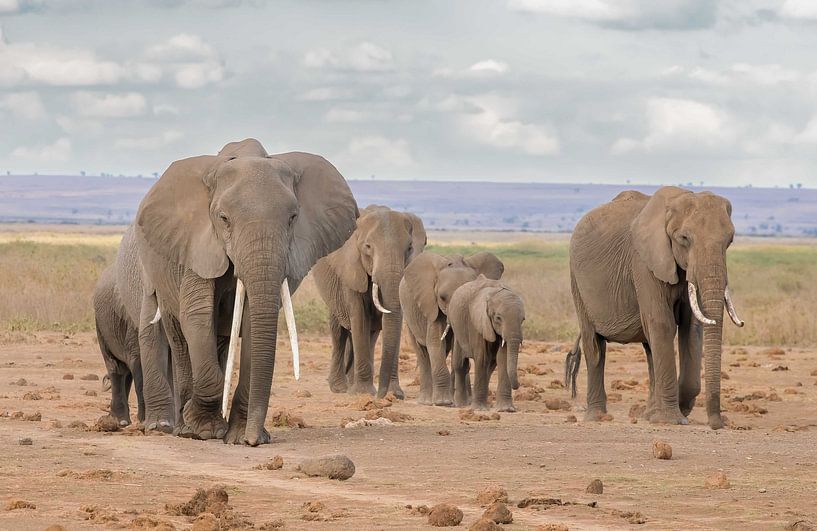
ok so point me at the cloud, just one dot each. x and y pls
(485, 68)
(363, 57)
(376, 153)
(24, 105)
(799, 9)
(56, 152)
(191, 61)
(326, 94)
(738, 74)
(150, 142)
(165, 109)
(628, 14)
(680, 125)
(93, 105)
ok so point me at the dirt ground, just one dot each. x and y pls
(80, 478)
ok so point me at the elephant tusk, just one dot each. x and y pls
(693, 302)
(376, 298)
(289, 314)
(730, 308)
(502, 345)
(157, 317)
(238, 311)
(445, 332)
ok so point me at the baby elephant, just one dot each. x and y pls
(486, 317)
(119, 342)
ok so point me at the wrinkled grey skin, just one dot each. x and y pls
(118, 339)
(383, 243)
(482, 314)
(630, 261)
(428, 284)
(209, 219)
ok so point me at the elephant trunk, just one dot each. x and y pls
(712, 290)
(392, 326)
(513, 358)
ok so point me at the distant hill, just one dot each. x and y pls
(535, 207)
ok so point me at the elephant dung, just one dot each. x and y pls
(331, 466)
(718, 480)
(492, 494)
(595, 487)
(484, 524)
(499, 513)
(19, 504)
(276, 463)
(445, 515)
(661, 450)
(106, 423)
(556, 404)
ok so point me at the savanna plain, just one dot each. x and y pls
(57, 466)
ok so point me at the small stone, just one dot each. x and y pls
(718, 480)
(661, 450)
(762, 491)
(90, 377)
(25, 441)
(68, 376)
(90, 393)
(595, 487)
(492, 494)
(443, 433)
(444, 515)
(303, 393)
(332, 466)
(484, 524)
(570, 419)
(21, 382)
(499, 513)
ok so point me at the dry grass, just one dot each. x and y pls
(49, 277)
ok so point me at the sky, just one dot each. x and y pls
(613, 91)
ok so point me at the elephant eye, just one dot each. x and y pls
(683, 239)
(292, 218)
(224, 219)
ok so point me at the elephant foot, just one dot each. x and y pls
(360, 388)
(594, 414)
(396, 390)
(668, 416)
(154, 422)
(716, 422)
(480, 406)
(202, 423)
(237, 434)
(686, 406)
(424, 399)
(261, 436)
(506, 408)
(461, 401)
(338, 387)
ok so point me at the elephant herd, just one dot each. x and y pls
(220, 242)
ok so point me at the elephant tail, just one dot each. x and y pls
(573, 361)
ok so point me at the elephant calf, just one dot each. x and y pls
(486, 317)
(119, 343)
(425, 292)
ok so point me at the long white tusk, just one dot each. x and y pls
(157, 317)
(376, 298)
(730, 308)
(445, 332)
(289, 314)
(693, 302)
(238, 311)
(502, 345)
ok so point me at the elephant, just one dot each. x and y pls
(359, 283)
(211, 222)
(428, 284)
(118, 339)
(486, 317)
(637, 265)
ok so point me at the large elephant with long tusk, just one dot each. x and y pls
(213, 227)
(644, 269)
(360, 284)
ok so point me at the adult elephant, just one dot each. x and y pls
(359, 282)
(425, 292)
(637, 266)
(210, 220)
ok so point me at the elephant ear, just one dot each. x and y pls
(327, 212)
(418, 234)
(478, 308)
(420, 278)
(173, 219)
(249, 147)
(487, 264)
(348, 267)
(650, 238)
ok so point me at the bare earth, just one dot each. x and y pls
(83, 479)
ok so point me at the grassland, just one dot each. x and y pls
(48, 278)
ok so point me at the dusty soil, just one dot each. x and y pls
(425, 456)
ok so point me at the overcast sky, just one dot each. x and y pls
(723, 92)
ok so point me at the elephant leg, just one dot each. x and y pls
(201, 415)
(349, 359)
(222, 346)
(595, 351)
(394, 384)
(440, 375)
(182, 373)
(481, 375)
(361, 335)
(119, 397)
(460, 366)
(158, 395)
(660, 330)
(424, 369)
(690, 349)
(337, 371)
(135, 368)
(504, 398)
(651, 403)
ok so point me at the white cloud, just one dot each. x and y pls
(336, 115)
(149, 142)
(363, 57)
(9, 6)
(799, 9)
(95, 105)
(326, 94)
(191, 61)
(80, 126)
(56, 152)
(738, 74)
(485, 68)
(24, 105)
(164, 108)
(378, 153)
(681, 125)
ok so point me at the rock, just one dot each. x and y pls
(444, 515)
(21, 382)
(444, 433)
(492, 494)
(302, 393)
(718, 480)
(661, 450)
(336, 466)
(68, 376)
(801, 525)
(499, 513)
(13, 505)
(89, 377)
(90, 393)
(33, 417)
(484, 524)
(25, 441)
(570, 419)
(276, 463)
(595, 487)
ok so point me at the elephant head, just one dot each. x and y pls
(680, 230)
(270, 217)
